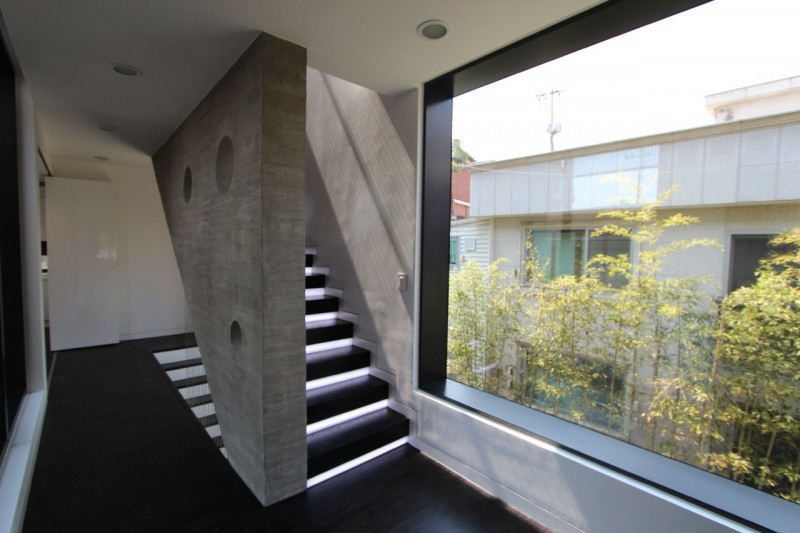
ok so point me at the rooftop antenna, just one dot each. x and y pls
(554, 127)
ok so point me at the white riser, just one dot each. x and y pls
(323, 346)
(213, 431)
(337, 378)
(322, 316)
(206, 409)
(344, 417)
(173, 356)
(197, 390)
(355, 462)
(188, 372)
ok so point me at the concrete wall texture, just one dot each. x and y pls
(361, 196)
(232, 182)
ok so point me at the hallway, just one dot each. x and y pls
(121, 452)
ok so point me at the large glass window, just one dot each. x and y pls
(626, 307)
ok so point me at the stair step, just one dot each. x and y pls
(344, 442)
(309, 260)
(315, 281)
(209, 420)
(218, 441)
(331, 362)
(321, 304)
(186, 363)
(328, 330)
(327, 402)
(190, 382)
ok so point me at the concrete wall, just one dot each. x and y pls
(232, 183)
(361, 199)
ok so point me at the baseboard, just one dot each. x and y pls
(16, 469)
(152, 334)
(490, 486)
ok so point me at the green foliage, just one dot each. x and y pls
(483, 323)
(656, 361)
(459, 158)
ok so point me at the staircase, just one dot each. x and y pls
(349, 421)
(185, 368)
(348, 415)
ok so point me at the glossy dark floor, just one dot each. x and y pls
(121, 452)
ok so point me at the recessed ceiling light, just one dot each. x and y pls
(125, 70)
(432, 29)
(109, 128)
(101, 158)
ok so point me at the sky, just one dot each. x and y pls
(652, 80)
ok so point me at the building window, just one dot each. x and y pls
(747, 252)
(454, 251)
(567, 252)
(707, 381)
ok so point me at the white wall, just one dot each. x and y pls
(477, 232)
(556, 488)
(82, 281)
(151, 300)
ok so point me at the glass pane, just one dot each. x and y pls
(558, 252)
(747, 251)
(453, 251)
(636, 205)
(609, 246)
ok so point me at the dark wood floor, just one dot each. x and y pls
(121, 452)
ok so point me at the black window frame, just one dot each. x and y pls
(727, 498)
(13, 377)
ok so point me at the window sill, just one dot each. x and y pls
(727, 498)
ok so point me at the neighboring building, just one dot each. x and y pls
(741, 180)
(724, 174)
(459, 185)
(770, 98)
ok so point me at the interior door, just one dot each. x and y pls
(82, 263)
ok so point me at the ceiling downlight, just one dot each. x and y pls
(126, 70)
(433, 30)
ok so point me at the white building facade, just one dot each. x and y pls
(741, 179)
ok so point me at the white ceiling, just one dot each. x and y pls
(65, 49)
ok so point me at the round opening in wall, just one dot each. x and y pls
(187, 185)
(236, 338)
(224, 165)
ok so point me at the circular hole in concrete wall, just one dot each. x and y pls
(224, 165)
(187, 185)
(236, 337)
